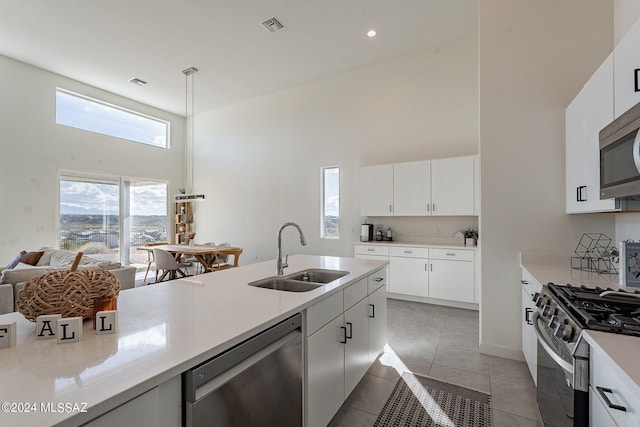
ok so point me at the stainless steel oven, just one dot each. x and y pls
(563, 380)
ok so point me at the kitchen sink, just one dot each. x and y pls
(280, 284)
(302, 281)
(317, 275)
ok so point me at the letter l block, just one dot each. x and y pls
(106, 322)
(69, 330)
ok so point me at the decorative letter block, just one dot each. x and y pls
(69, 330)
(7, 335)
(47, 326)
(106, 322)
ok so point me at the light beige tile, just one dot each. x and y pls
(510, 370)
(467, 360)
(503, 419)
(352, 417)
(462, 378)
(514, 398)
(371, 394)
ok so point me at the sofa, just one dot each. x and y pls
(29, 265)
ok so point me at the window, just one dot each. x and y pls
(330, 222)
(109, 217)
(96, 116)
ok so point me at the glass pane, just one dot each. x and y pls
(89, 219)
(95, 116)
(331, 203)
(148, 220)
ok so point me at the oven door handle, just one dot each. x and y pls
(566, 366)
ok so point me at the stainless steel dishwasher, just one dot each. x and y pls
(256, 383)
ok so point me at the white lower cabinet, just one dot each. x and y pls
(529, 341)
(610, 393)
(409, 276)
(340, 352)
(451, 280)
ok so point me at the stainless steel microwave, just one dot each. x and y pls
(620, 156)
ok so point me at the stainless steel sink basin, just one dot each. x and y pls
(281, 284)
(302, 281)
(317, 275)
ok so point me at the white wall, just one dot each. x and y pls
(259, 161)
(534, 58)
(34, 149)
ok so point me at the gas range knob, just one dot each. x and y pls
(541, 302)
(554, 321)
(564, 332)
(536, 296)
(549, 310)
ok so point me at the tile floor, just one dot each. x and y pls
(442, 343)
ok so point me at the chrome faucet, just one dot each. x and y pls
(280, 266)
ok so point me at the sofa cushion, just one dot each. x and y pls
(31, 258)
(65, 259)
(24, 274)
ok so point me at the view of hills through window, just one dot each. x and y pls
(90, 219)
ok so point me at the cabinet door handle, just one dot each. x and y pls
(425, 266)
(428, 207)
(349, 335)
(430, 267)
(372, 312)
(434, 207)
(524, 282)
(390, 208)
(580, 197)
(636, 78)
(344, 336)
(378, 279)
(602, 391)
(527, 318)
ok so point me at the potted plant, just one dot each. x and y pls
(470, 236)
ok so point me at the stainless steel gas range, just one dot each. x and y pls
(563, 312)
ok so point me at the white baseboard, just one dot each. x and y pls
(507, 353)
(457, 304)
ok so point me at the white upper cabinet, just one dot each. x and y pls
(452, 186)
(429, 187)
(626, 64)
(376, 187)
(412, 188)
(590, 111)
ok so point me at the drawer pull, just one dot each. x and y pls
(408, 252)
(371, 249)
(450, 254)
(372, 311)
(349, 334)
(344, 337)
(527, 317)
(378, 279)
(524, 282)
(602, 392)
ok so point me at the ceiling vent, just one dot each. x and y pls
(273, 24)
(137, 81)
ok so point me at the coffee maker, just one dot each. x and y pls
(366, 232)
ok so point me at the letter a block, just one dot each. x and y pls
(47, 326)
(69, 330)
(7, 335)
(106, 322)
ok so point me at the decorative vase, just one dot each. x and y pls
(469, 241)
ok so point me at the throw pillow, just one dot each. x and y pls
(16, 260)
(31, 258)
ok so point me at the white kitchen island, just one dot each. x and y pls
(163, 330)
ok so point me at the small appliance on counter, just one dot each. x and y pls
(379, 234)
(366, 232)
(388, 237)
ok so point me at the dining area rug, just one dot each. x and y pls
(419, 401)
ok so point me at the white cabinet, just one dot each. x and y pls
(529, 341)
(339, 347)
(590, 111)
(598, 412)
(412, 188)
(443, 274)
(610, 391)
(408, 271)
(429, 187)
(376, 190)
(452, 186)
(450, 278)
(626, 58)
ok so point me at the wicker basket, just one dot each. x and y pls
(69, 293)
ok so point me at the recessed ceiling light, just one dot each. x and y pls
(371, 33)
(273, 25)
(137, 81)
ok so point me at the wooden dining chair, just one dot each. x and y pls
(235, 252)
(168, 264)
(151, 259)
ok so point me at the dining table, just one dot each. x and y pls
(206, 255)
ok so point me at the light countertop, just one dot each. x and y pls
(163, 330)
(622, 350)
